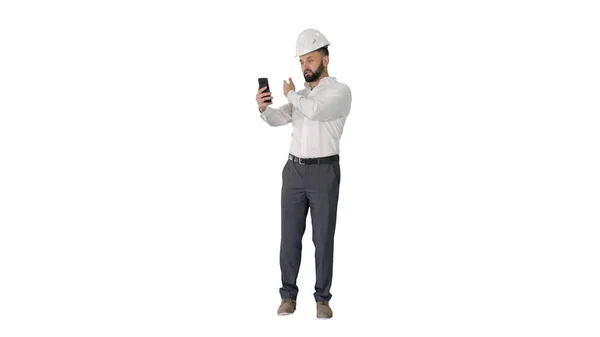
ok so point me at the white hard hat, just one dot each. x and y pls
(310, 40)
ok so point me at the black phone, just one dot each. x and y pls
(264, 82)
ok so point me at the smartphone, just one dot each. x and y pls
(264, 82)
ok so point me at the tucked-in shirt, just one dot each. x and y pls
(317, 115)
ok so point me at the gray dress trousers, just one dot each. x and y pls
(305, 187)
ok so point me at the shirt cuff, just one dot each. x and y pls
(293, 97)
(264, 114)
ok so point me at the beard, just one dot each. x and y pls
(311, 76)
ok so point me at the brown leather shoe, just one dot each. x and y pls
(287, 307)
(323, 310)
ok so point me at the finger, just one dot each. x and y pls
(264, 95)
(262, 89)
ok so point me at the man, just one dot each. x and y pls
(311, 175)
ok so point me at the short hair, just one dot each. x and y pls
(324, 51)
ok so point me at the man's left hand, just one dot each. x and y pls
(287, 87)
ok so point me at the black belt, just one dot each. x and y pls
(311, 161)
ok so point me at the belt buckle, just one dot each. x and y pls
(301, 162)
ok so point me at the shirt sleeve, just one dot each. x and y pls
(326, 104)
(279, 116)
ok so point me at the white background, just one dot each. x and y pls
(140, 188)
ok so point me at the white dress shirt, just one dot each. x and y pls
(317, 116)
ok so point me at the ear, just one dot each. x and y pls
(325, 60)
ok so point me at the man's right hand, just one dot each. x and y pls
(261, 97)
